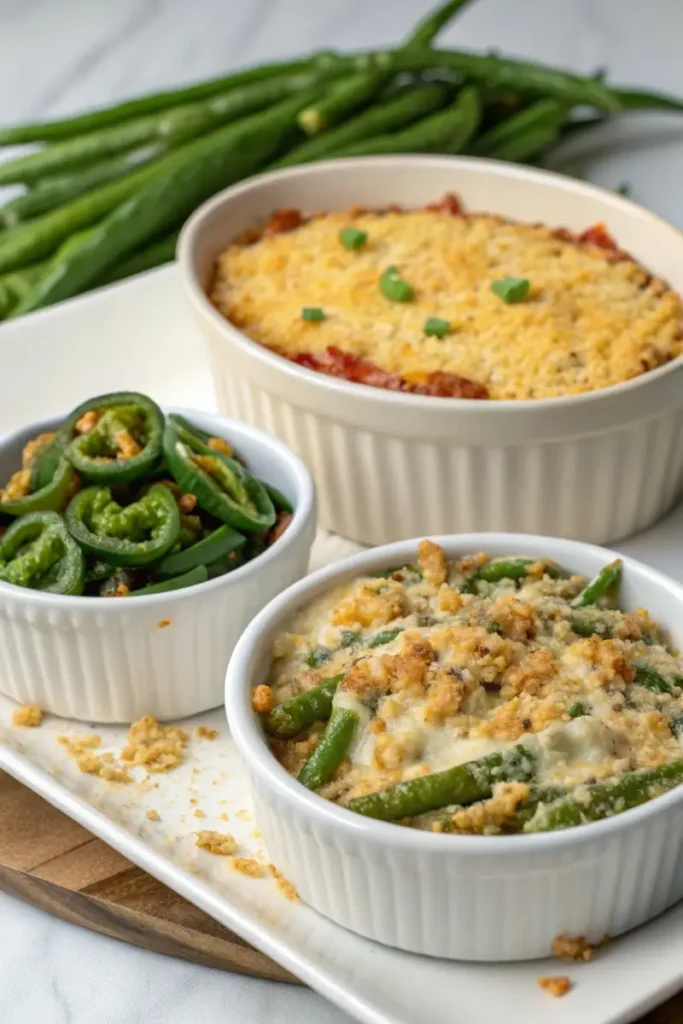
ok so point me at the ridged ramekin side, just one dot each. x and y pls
(477, 908)
(168, 658)
(375, 487)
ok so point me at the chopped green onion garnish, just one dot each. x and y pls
(394, 288)
(312, 313)
(511, 289)
(436, 328)
(353, 238)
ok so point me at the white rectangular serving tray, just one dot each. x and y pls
(137, 335)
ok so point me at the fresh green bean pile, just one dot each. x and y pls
(107, 191)
(569, 709)
(121, 501)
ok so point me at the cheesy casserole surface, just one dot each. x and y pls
(590, 316)
(477, 696)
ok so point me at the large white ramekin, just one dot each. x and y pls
(113, 660)
(593, 467)
(461, 897)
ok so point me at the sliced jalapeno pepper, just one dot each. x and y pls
(217, 545)
(192, 435)
(44, 461)
(37, 552)
(189, 579)
(49, 498)
(130, 535)
(114, 439)
(279, 500)
(222, 486)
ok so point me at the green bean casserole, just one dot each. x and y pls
(477, 696)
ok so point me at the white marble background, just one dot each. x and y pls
(58, 56)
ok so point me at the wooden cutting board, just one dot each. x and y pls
(50, 861)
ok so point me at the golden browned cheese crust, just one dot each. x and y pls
(593, 317)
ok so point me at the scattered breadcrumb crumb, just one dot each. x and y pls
(193, 799)
(283, 884)
(256, 833)
(249, 866)
(243, 815)
(555, 987)
(163, 623)
(577, 949)
(220, 843)
(205, 733)
(224, 816)
(159, 748)
(153, 815)
(199, 813)
(30, 716)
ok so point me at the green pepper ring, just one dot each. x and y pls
(63, 576)
(121, 551)
(49, 498)
(210, 497)
(114, 471)
(218, 544)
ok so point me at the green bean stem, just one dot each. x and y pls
(426, 30)
(331, 749)
(607, 579)
(343, 98)
(605, 799)
(296, 714)
(464, 784)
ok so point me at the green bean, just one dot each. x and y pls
(331, 749)
(198, 170)
(189, 579)
(589, 627)
(524, 134)
(154, 255)
(505, 569)
(343, 98)
(537, 796)
(642, 99)
(296, 714)
(464, 784)
(578, 709)
(384, 637)
(407, 106)
(54, 192)
(69, 127)
(607, 579)
(448, 131)
(430, 26)
(651, 679)
(14, 286)
(172, 127)
(502, 73)
(605, 799)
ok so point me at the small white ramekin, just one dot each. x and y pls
(101, 660)
(461, 897)
(593, 467)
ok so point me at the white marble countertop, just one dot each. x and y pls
(61, 57)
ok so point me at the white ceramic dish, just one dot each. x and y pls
(462, 897)
(165, 654)
(593, 467)
(373, 983)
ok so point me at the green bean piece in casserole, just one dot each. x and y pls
(296, 714)
(608, 579)
(464, 784)
(331, 749)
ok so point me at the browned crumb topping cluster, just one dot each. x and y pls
(157, 747)
(285, 887)
(30, 716)
(205, 733)
(555, 987)
(220, 843)
(250, 867)
(576, 949)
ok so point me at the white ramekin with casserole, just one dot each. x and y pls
(450, 343)
(471, 746)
